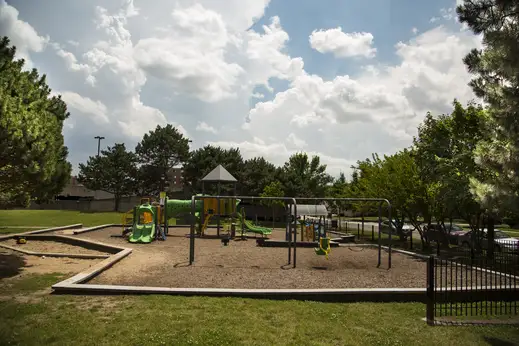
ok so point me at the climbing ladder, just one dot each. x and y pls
(127, 219)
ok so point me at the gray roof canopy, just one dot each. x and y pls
(219, 174)
(311, 210)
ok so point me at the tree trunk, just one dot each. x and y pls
(443, 238)
(117, 199)
(273, 213)
(362, 215)
(416, 224)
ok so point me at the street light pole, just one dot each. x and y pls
(99, 138)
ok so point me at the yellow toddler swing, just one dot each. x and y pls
(324, 247)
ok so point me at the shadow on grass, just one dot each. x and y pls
(10, 265)
(498, 342)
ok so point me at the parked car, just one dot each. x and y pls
(502, 241)
(386, 226)
(452, 232)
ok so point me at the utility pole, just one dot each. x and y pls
(99, 138)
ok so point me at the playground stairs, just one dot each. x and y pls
(127, 219)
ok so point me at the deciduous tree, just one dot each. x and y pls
(305, 177)
(273, 189)
(204, 160)
(158, 152)
(257, 173)
(444, 152)
(113, 171)
(395, 178)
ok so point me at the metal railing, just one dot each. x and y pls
(474, 284)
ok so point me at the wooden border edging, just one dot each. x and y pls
(324, 295)
(52, 229)
(94, 270)
(94, 228)
(88, 244)
(77, 285)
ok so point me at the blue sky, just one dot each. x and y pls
(390, 21)
(207, 67)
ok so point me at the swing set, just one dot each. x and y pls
(313, 227)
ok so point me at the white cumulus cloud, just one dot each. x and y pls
(343, 45)
(124, 69)
(96, 110)
(205, 127)
(20, 33)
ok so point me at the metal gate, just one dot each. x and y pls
(468, 286)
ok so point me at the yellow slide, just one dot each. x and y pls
(206, 222)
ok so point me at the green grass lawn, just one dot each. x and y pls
(34, 219)
(40, 319)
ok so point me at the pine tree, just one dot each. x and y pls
(496, 81)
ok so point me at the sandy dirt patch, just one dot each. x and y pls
(16, 263)
(242, 264)
(51, 246)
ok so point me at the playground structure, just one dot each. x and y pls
(150, 220)
(218, 175)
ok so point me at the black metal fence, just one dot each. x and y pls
(473, 285)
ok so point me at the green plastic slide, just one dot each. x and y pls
(142, 233)
(250, 227)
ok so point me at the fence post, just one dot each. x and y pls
(358, 230)
(430, 291)
(372, 232)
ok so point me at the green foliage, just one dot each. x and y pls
(338, 186)
(113, 171)
(395, 178)
(444, 153)
(257, 173)
(57, 181)
(204, 160)
(274, 189)
(305, 177)
(495, 71)
(32, 154)
(158, 152)
(337, 190)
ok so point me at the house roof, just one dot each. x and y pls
(219, 174)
